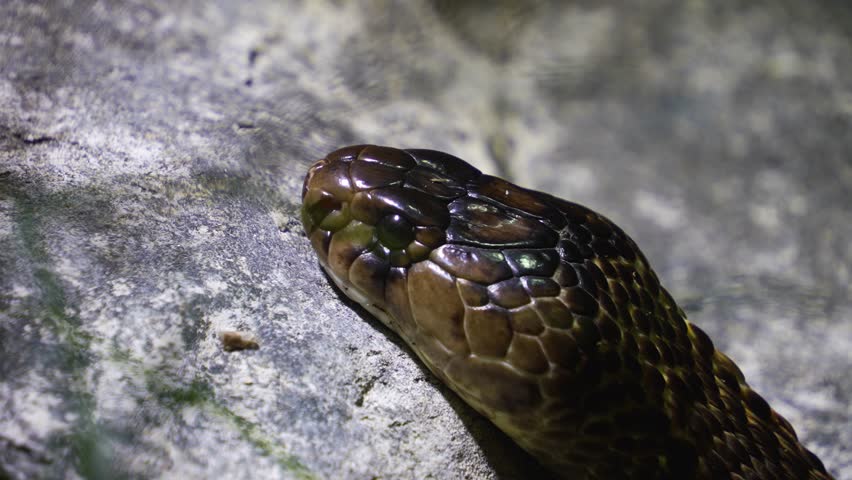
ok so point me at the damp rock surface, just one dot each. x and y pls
(151, 161)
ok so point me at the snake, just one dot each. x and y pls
(544, 316)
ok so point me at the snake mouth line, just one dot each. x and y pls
(359, 297)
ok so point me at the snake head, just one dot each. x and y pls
(369, 210)
(542, 315)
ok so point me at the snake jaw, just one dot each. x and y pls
(544, 316)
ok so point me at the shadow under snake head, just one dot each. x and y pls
(544, 316)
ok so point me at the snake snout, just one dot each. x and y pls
(353, 175)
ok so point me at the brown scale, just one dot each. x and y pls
(545, 317)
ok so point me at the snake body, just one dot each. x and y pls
(545, 317)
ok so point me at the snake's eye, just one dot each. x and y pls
(395, 232)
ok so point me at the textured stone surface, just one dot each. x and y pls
(151, 159)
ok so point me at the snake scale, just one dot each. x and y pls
(545, 317)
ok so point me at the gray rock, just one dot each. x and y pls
(151, 160)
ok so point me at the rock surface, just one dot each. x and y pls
(151, 159)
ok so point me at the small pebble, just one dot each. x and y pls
(233, 341)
